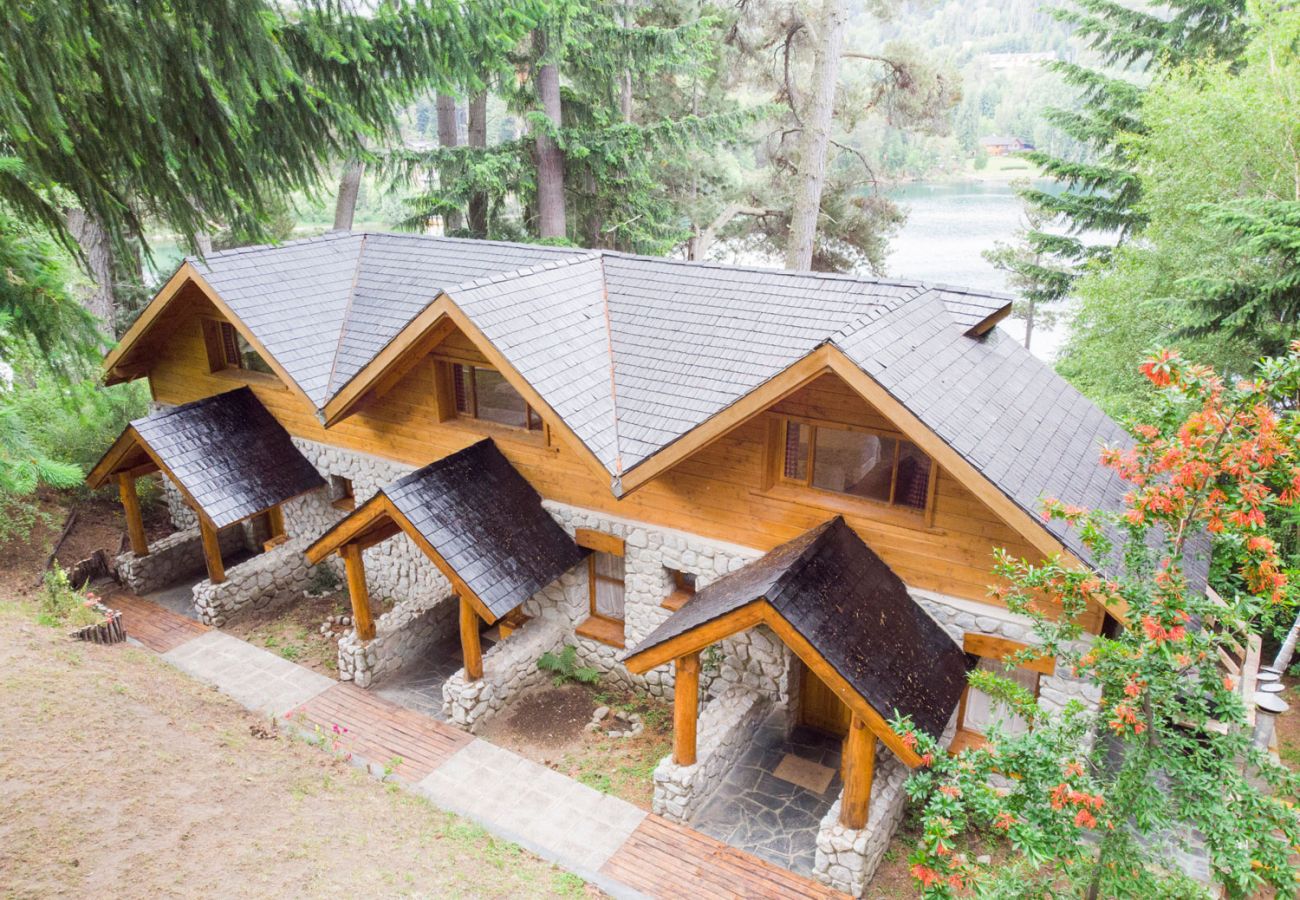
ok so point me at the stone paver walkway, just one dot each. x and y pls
(257, 679)
(765, 815)
(533, 805)
(607, 841)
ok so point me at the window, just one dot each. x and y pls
(483, 393)
(340, 491)
(867, 464)
(227, 349)
(605, 579)
(683, 590)
(978, 711)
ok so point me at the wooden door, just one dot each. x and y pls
(820, 708)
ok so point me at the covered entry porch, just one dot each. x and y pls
(481, 524)
(234, 466)
(867, 651)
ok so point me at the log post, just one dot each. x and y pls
(686, 707)
(212, 551)
(134, 521)
(274, 523)
(858, 770)
(469, 641)
(357, 590)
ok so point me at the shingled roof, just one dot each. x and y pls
(854, 611)
(633, 353)
(484, 522)
(226, 452)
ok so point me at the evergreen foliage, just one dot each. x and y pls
(621, 188)
(35, 303)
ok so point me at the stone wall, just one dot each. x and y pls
(171, 560)
(253, 583)
(726, 727)
(847, 858)
(402, 636)
(755, 658)
(508, 668)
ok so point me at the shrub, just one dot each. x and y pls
(564, 666)
(62, 605)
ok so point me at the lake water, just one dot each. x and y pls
(948, 225)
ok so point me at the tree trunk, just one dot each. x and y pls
(448, 137)
(345, 207)
(478, 201)
(1029, 323)
(1283, 659)
(625, 98)
(815, 141)
(203, 243)
(101, 302)
(550, 158)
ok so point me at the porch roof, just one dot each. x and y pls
(230, 458)
(828, 595)
(479, 521)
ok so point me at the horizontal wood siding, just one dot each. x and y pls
(719, 492)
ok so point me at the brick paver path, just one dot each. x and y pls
(664, 859)
(613, 844)
(157, 628)
(380, 731)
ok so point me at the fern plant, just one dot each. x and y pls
(564, 667)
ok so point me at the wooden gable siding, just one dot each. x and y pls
(718, 492)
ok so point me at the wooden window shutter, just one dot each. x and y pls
(230, 345)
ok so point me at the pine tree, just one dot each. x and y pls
(190, 112)
(1101, 192)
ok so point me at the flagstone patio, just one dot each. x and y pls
(768, 816)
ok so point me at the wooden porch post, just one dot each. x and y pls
(469, 641)
(358, 591)
(134, 521)
(212, 551)
(686, 707)
(859, 768)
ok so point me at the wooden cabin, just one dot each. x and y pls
(799, 476)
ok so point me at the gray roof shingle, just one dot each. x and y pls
(635, 352)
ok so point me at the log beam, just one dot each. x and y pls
(686, 707)
(358, 592)
(858, 770)
(212, 551)
(134, 520)
(469, 641)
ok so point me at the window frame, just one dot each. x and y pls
(782, 447)
(467, 387)
(984, 646)
(342, 494)
(221, 341)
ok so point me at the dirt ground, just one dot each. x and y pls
(99, 525)
(121, 777)
(291, 628)
(547, 725)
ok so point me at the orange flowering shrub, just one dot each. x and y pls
(1151, 759)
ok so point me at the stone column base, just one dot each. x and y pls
(847, 858)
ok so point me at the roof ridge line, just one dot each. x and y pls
(481, 281)
(347, 314)
(613, 381)
(801, 561)
(875, 313)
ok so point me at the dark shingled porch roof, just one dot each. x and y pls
(229, 454)
(487, 523)
(854, 611)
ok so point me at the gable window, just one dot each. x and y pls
(861, 463)
(228, 350)
(483, 393)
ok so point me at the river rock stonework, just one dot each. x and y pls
(253, 583)
(509, 667)
(171, 560)
(726, 725)
(402, 635)
(847, 858)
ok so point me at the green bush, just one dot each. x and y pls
(565, 668)
(62, 605)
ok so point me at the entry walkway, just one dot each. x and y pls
(607, 841)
